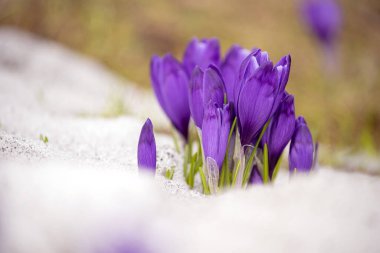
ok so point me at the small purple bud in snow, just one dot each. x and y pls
(201, 53)
(230, 68)
(324, 19)
(146, 150)
(215, 131)
(301, 148)
(280, 131)
(205, 86)
(170, 84)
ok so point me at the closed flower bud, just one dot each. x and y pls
(146, 150)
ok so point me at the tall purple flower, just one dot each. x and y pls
(301, 148)
(256, 100)
(324, 19)
(280, 131)
(258, 92)
(205, 86)
(201, 53)
(216, 127)
(170, 84)
(230, 68)
(146, 150)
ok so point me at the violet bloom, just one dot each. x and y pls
(301, 148)
(255, 177)
(170, 84)
(146, 150)
(258, 92)
(230, 68)
(205, 86)
(215, 131)
(201, 53)
(324, 19)
(280, 131)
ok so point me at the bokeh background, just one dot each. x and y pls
(341, 103)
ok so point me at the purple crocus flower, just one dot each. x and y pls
(215, 131)
(258, 92)
(301, 148)
(280, 131)
(205, 86)
(324, 19)
(256, 100)
(146, 150)
(201, 53)
(230, 68)
(170, 84)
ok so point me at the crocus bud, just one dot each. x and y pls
(215, 131)
(201, 53)
(230, 68)
(324, 19)
(205, 86)
(146, 150)
(255, 177)
(170, 84)
(280, 131)
(301, 148)
(256, 100)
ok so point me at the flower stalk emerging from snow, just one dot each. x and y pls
(243, 116)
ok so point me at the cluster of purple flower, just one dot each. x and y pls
(243, 115)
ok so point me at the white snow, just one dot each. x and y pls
(80, 191)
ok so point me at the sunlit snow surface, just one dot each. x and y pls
(80, 192)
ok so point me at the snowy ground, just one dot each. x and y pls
(80, 191)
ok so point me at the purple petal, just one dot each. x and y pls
(201, 53)
(170, 84)
(196, 96)
(280, 131)
(301, 148)
(213, 87)
(215, 130)
(146, 150)
(230, 68)
(255, 102)
(255, 177)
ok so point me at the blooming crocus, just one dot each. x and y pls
(301, 148)
(205, 86)
(201, 53)
(324, 19)
(170, 84)
(248, 69)
(230, 68)
(146, 150)
(215, 131)
(280, 131)
(255, 103)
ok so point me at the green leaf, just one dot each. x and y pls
(266, 165)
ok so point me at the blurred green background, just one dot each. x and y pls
(341, 105)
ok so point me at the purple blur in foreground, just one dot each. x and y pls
(146, 150)
(201, 53)
(170, 84)
(301, 148)
(205, 87)
(323, 18)
(216, 127)
(280, 131)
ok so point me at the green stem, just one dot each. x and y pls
(266, 165)
(276, 168)
(248, 167)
